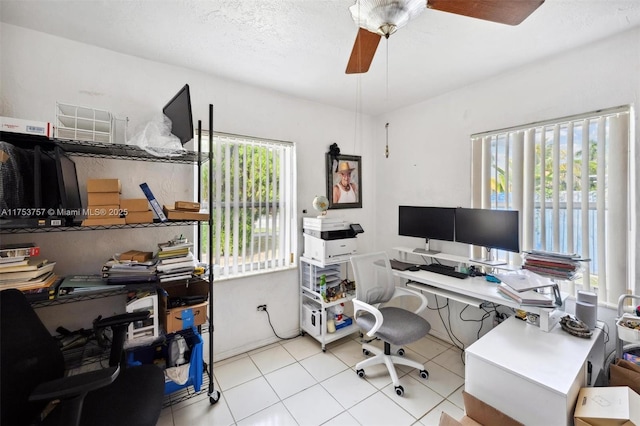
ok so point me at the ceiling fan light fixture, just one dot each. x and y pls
(384, 17)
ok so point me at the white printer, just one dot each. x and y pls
(329, 239)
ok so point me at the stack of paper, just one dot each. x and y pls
(129, 272)
(557, 265)
(520, 286)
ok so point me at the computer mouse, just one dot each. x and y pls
(413, 268)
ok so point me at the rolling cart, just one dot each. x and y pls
(625, 335)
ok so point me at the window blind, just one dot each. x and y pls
(569, 178)
(254, 204)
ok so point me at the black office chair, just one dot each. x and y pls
(32, 375)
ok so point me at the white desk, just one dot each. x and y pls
(531, 375)
(471, 291)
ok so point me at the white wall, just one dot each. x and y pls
(430, 155)
(37, 70)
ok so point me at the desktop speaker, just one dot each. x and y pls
(587, 308)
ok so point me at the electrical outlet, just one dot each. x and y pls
(262, 307)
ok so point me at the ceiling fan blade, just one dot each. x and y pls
(363, 51)
(501, 11)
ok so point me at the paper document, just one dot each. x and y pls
(523, 280)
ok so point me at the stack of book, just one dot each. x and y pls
(175, 260)
(556, 265)
(521, 286)
(21, 268)
(131, 267)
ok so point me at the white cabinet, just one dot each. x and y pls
(314, 310)
(530, 375)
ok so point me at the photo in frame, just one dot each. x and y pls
(344, 181)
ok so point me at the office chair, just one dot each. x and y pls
(32, 375)
(375, 286)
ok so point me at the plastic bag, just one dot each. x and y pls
(156, 138)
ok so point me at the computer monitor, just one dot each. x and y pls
(45, 182)
(491, 229)
(427, 222)
(178, 110)
(68, 187)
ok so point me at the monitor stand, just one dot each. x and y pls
(426, 249)
(490, 260)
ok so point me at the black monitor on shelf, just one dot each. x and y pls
(178, 110)
(427, 222)
(68, 189)
(491, 229)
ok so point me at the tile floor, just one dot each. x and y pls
(293, 382)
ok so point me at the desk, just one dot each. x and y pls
(531, 375)
(471, 291)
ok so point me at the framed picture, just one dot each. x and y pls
(344, 181)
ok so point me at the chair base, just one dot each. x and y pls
(385, 357)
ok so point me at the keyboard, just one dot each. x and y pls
(443, 270)
(402, 266)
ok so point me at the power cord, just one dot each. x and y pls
(274, 330)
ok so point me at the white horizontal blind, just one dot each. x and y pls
(569, 179)
(254, 204)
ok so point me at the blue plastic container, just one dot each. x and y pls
(148, 354)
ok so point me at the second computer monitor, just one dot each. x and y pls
(492, 229)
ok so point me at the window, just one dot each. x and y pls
(570, 180)
(253, 192)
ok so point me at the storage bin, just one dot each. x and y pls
(626, 333)
(159, 354)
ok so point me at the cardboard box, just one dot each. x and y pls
(103, 198)
(607, 406)
(182, 317)
(103, 211)
(134, 204)
(191, 206)
(103, 221)
(183, 214)
(478, 413)
(27, 127)
(104, 185)
(136, 255)
(625, 373)
(139, 217)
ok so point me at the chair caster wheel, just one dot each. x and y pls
(424, 374)
(401, 352)
(399, 390)
(214, 398)
(360, 373)
(366, 352)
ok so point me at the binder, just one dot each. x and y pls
(154, 203)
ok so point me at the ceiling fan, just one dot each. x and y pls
(377, 18)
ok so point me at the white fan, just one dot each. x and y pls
(321, 204)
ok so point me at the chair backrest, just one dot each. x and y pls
(374, 277)
(29, 355)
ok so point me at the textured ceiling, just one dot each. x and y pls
(301, 47)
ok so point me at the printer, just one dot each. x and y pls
(329, 239)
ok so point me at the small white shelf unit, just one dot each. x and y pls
(313, 308)
(149, 327)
